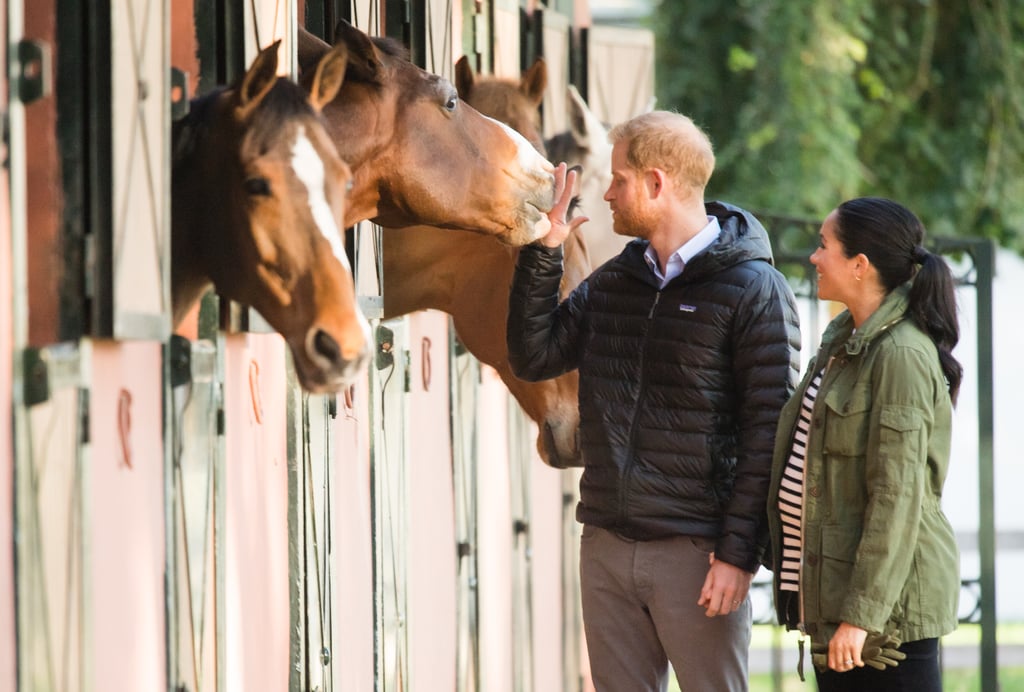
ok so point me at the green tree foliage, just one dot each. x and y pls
(810, 102)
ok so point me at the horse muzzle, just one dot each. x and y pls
(561, 446)
(327, 362)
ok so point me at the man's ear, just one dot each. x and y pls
(655, 180)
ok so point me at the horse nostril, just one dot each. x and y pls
(325, 346)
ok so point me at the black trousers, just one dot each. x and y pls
(918, 673)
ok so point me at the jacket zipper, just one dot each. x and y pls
(650, 314)
(627, 472)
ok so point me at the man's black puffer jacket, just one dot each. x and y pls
(680, 388)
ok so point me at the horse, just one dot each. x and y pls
(513, 102)
(586, 144)
(468, 276)
(258, 198)
(419, 155)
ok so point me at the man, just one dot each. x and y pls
(686, 345)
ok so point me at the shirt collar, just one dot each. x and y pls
(690, 249)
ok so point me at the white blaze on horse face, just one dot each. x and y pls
(309, 168)
(529, 158)
(533, 163)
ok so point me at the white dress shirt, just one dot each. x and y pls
(678, 259)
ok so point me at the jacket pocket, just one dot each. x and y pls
(838, 552)
(901, 442)
(847, 416)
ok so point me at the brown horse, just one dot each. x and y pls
(258, 198)
(419, 155)
(513, 102)
(468, 276)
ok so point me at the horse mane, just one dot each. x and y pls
(284, 101)
(391, 46)
(189, 132)
(387, 46)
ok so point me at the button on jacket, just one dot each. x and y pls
(680, 386)
(878, 552)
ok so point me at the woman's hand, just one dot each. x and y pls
(844, 651)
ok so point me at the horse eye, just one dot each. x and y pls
(257, 186)
(451, 103)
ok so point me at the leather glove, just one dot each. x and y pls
(880, 652)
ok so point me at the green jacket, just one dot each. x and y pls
(878, 552)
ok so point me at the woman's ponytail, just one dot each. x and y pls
(933, 309)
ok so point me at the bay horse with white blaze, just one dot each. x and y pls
(258, 199)
(419, 155)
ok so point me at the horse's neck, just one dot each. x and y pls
(430, 268)
(190, 210)
(188, 275)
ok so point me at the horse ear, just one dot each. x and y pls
(577, 115)
(311, 48)
(586, 127)
(259, 80)
(363, 61)
(535, 81)
(464, 78)
(330, 73)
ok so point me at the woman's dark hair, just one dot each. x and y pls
(891, 237)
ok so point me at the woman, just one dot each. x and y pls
(860, 545)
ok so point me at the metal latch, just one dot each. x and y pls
(33, 77)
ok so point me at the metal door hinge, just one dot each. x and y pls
(181, 360)
(31, 71)
(179, 94)
(84, 415)
(49, 369)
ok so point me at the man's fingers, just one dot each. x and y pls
(577, 221)
(564, 196)
(561, 178)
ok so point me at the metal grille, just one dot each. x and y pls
(465, 371)
(141, 169)
(196, 491)
(51, 477)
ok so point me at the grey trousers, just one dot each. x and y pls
(640, 612)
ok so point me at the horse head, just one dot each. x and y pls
(516, 100)
(258, 199)
(419, 155)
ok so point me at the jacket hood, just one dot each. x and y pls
(742, 239)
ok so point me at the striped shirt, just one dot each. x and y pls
(791, 494)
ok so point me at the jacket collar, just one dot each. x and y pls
(742, 238)
(840, 332)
